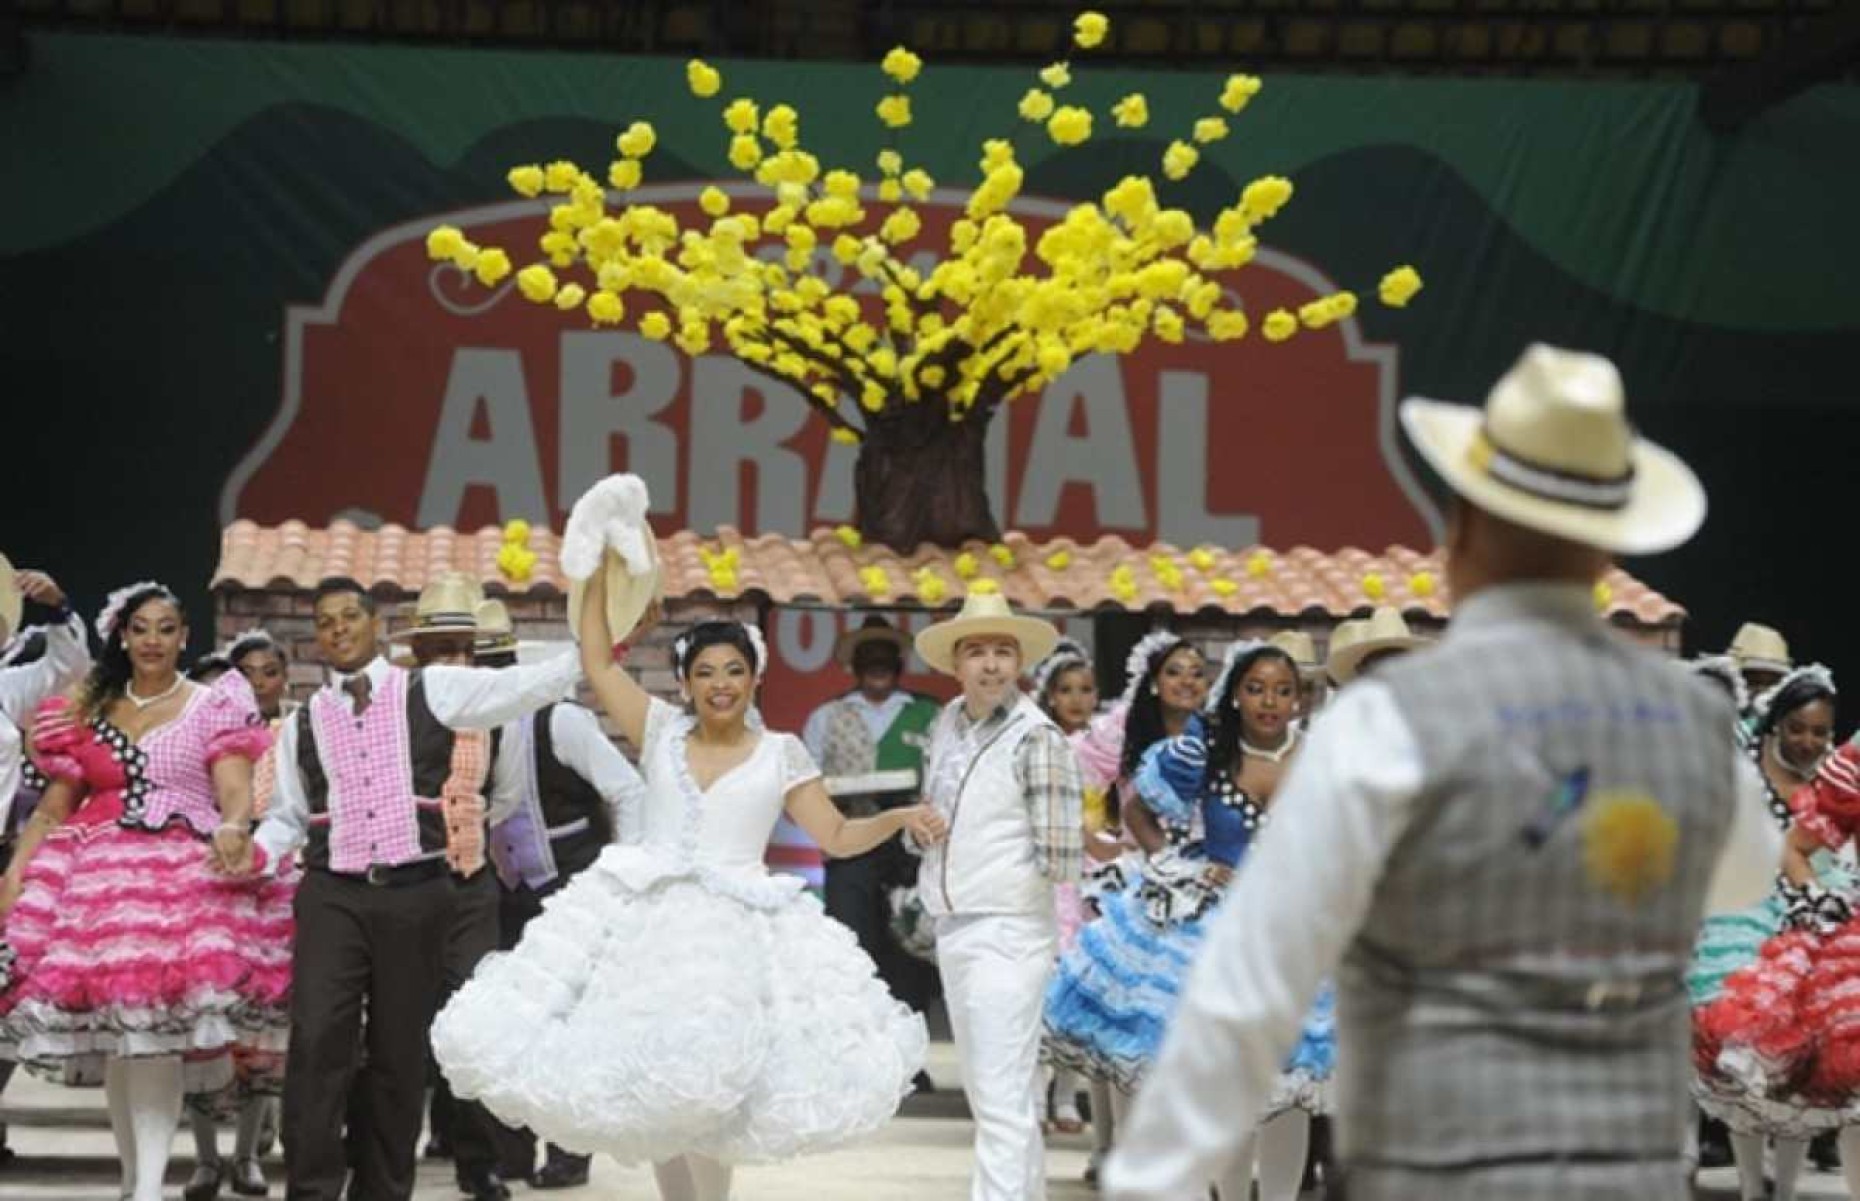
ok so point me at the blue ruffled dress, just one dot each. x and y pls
(1110, 1001)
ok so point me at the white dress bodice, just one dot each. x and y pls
(727, 826)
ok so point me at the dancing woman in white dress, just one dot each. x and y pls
(676, 1002)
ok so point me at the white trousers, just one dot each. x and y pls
(995, 968)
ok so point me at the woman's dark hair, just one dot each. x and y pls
(111, 673)
(255, 642)
(1143, 721)
(208, 668)
(1798, 691)
(715, 633)
(1224, 732)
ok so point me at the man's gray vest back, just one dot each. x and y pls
(1501, 1004)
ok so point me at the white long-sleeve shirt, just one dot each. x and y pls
(461, 698)
(1295, 907)
(66, 659)
(581, 745)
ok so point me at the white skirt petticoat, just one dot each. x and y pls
(659, 1008)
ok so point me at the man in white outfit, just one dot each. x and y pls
(1003, 777)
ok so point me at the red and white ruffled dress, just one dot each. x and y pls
(124, 940)
(1780, 1047)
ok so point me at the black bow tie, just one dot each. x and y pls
(361, 688)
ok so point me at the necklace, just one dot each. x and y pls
(143, 702)
(1276, 755)
(1776, 757)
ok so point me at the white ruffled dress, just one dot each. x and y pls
(677, 998)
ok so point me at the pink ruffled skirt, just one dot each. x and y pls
(125, 942)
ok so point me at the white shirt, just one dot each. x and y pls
(877, 718)
(1296, 906)
(66, 659)
(461, 698)
(581, 745)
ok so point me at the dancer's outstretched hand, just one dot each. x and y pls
(926, 826)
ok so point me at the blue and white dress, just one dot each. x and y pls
(1110, 1001)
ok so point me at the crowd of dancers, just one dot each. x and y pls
(439, 871)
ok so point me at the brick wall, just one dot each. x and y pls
(285, 614)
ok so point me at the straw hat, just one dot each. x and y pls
(1760, 648)
(1354, 641)
(447, 605)
(1553, 452)
(11, 602)
(873, 629)
(985, 613)
(497, 635)
(607, 532)
(1299, 646)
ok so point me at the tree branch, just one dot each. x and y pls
(841, 380)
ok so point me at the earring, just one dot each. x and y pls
(1155, 691)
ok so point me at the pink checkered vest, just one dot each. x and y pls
(392, 769)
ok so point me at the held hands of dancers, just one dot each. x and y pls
(925, 825)
(233, 853)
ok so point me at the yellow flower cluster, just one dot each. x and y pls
(1180, 159)
(1327, 310)
(901, 65)
(875, 581)
(995, 313)
(1167, 571)
(1373, 586)
(1238, 91)
(930, 584)
(1421, 583)
(1259, 564)
(895, 110)
(1399, 286)
(515, 560)
(720, 566)
(1059, 560)
(1070, 125)
(1123, 583)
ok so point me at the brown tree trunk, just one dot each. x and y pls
(922, 478)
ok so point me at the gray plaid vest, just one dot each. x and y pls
(1500, 1006)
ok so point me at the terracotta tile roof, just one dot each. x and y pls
(824, 568)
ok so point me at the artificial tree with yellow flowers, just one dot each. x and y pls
(914, 375)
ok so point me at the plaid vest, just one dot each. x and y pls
(1516, 994)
